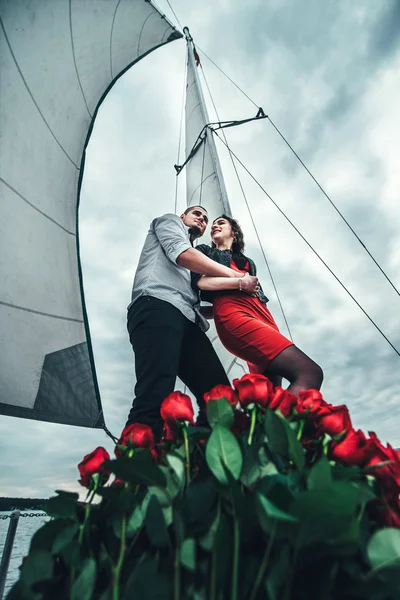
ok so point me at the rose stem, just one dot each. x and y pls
(235, 563)
(213, 582)
(252, 424)
(264, 563)
(187, 457)
(117, 570)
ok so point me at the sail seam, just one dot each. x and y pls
(141, 31)
(37, 209)
(194, 191)
(111, 36)
(31, 95)
(39, 312)
(74, 57)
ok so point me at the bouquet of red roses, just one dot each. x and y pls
(279, 499)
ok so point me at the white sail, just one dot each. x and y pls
(205, 183)
(58, 61)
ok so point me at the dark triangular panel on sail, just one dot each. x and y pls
(58, 62)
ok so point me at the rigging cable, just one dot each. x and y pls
(311, 247)
(311, 175)
(173, 12)
(180, 132)
(248, 208)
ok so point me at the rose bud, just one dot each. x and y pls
(93, 463)
(135, 435)
(284, 400)
(310, 401)
(353, 449)
(253, 388)
(222, 391)
(177, 407)
(333, 420)
(389, 474)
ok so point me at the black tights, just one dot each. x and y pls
(295, 366)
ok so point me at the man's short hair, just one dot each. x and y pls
(192, 207)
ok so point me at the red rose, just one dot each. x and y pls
(241, 422)
(283, 400)
(170, 431)
(333, 420)
(253, 388)
(137, 435)
(310, 401)
(389, 474)
(354, 449)
(92, 464)
(222, 391)
(177, 407)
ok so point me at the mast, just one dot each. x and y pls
(204, 180)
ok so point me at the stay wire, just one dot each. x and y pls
(173, 12)
(311, 248)
(180, 131)
(110, 435)
(334, 206)
(248, 208)
(311, 175)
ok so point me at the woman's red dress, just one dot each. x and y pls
(247, 329)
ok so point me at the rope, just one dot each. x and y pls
(334, 206)
(311, 175)
(173, 12)
(180, 132)
(202, 172)
(227, 76)
(248, 208)
(110, 435)
(311, 248)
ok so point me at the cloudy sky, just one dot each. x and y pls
(327, 73)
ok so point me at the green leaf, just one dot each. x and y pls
(146, 583)
(296, 450)
(37, 567)
(155, 524)
(320, 475)
(83, 586)
(44, 538)
(384, 548)
(188, 554)
(326, 513)
(64, 537)
(140, 469)
(177, 464)
(276, 576)
(134, 522)
(208, 539)
(222, 451)
(272, 511)
(63, 505)
(220, 412)
(276, 433)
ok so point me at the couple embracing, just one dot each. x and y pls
(167, 326)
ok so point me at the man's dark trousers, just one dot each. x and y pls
(166, 345)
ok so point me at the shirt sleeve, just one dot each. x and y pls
(204, 249)
(171, 234)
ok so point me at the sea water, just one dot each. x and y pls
(27, 526)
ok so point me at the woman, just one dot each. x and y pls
(243, 322)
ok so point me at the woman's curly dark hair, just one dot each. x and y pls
(238, 241)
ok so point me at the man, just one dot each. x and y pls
(165, 325)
